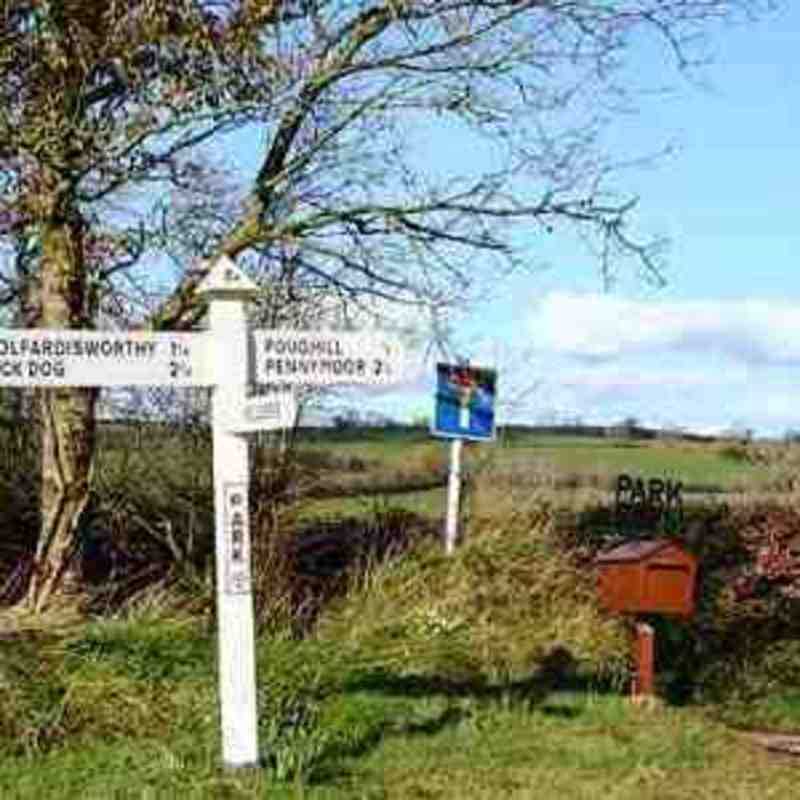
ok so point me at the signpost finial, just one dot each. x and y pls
(227, 281)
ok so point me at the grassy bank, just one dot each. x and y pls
(490, 674)
(129, 710)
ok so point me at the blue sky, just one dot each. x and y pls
(720, 345)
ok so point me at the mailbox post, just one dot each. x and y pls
(647, 577)
(643, 685)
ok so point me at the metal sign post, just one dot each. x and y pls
(453, 496)
(465, 398)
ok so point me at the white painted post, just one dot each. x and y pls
(453, 492)
(228, 289)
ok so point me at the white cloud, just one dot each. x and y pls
(598, 327)
(612, 379)
(700, 364)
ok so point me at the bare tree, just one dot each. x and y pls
(539, 78)
(96, 98)
(100, 102)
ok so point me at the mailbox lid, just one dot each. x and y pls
(633, 551)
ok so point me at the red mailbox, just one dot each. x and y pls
(648, 577)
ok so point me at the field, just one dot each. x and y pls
(385, 669)
(546, 461)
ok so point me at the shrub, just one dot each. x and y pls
(495, 610)
(356, 464)
(735, 452)
(430, 458)
(736, 647)
(108, 680)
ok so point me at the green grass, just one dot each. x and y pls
(388, 453)
(390, 739)
(560, 749)
(412, 452)
(532, 440)
(556, 457)
(393, 448)
(424, 682)
(389, 447)
(690, 465)
(430, 503)
(779, 712)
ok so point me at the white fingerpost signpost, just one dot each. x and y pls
(228, 290)
(219, 358)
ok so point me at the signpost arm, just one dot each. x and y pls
(228, 289)
(453, 493)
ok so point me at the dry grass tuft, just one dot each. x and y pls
(57, 620)
(500, 608)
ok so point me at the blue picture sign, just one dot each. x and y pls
(464, 402)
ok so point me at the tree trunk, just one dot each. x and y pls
(66, 415)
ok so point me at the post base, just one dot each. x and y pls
(252, 766)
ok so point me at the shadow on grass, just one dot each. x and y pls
(371, 739)
(532, 691)
(557, 672)
(550, 691)
(330, 767)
